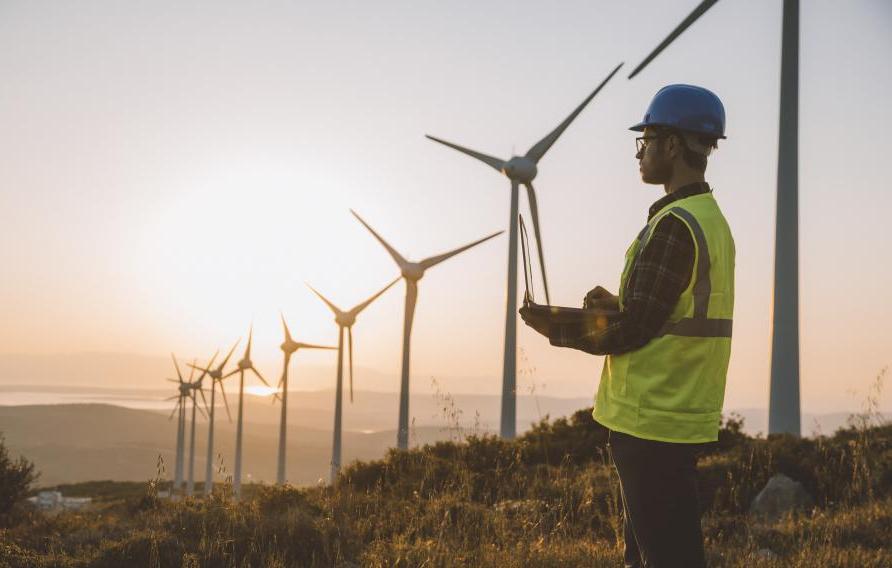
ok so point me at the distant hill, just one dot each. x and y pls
(80, 442)
(370, 411)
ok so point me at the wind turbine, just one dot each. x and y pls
(289, 347)
(216, 377)
(412, 272)
(783, 405)
(193, 387)
(245, 364)
(521, 170)
(183, 393)
(345, 320)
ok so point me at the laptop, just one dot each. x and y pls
(557, 314)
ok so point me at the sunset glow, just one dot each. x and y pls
(260, 390)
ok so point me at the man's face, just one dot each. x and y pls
(654, 161)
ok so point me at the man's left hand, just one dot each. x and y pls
(537, 320)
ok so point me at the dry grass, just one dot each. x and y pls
(546, 499)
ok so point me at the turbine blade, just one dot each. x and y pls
(229, 374)
(284, 376)
(205, 371)
(692, 17)
(192, 369)
(536, 152)
(228, 355)
(259, 376)
(356, 310)
(174, 411)
(203, 399)
(411, 300)
(534, 208)
(350, 351)
(496, 163)
(287, 331)
(312, 346)
(397, 257)
(197, 407)
(175, 364)
(172, 397)
(328, 303)
(250, 336)
(225, 402)
(202, 369)
(435, 260)
(172, 380)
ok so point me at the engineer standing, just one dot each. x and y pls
(668, 341)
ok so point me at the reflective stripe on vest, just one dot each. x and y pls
(699, 325)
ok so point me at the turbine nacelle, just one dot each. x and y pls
(412, 270)
(245, 364)
(520, 169)
(345, 319)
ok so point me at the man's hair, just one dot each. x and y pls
(695, 160)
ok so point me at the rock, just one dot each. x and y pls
(780, 496)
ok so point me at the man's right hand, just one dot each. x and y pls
(600, 298)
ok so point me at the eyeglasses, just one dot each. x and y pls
(642, 141)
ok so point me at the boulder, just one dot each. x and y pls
(781, 495)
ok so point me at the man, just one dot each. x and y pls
(667, 339)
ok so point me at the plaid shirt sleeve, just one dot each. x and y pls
(661, 273)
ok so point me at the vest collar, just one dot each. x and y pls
(689, 190)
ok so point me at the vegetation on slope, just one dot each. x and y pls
(545, 499)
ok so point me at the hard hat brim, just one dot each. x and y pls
(642, 125)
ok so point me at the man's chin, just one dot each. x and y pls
(651, 179)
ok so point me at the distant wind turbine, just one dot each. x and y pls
(195, 385)
(521, 170)
(245, 364)
(289, 347)
(783, 404)
(180, 409)
(345, 320)
(216, 377)
(412, 272)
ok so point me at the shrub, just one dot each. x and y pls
(16, 477)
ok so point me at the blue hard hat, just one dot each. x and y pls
(686, 107)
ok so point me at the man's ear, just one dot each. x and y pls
(675, 146)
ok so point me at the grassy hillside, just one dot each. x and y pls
(70, 443)
(545, 499)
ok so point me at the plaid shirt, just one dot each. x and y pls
(660, 274)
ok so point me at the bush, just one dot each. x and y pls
(16, 477)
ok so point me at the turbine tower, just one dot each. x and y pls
(180, 408)
(193, 387)
(245, 364)
(216, 377)
(521, 170)
(783, 405)
(345, 320)
(412, 272)
(289, 347)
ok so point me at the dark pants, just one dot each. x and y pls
(661, 513)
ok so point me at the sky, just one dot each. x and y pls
(172, 172)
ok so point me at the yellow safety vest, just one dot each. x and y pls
(672, 388)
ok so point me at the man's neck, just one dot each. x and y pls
(681, 179)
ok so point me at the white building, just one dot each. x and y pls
(54, 501)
